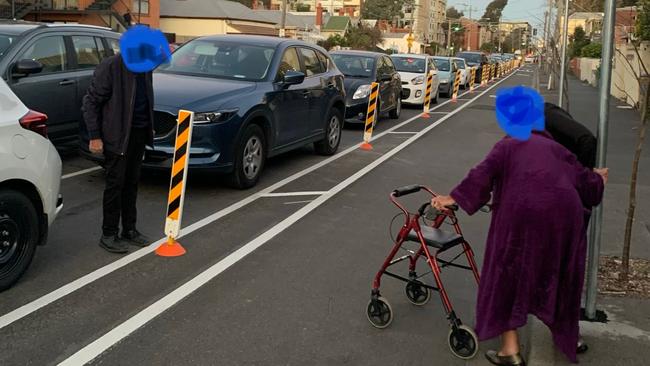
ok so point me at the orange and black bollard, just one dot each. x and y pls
(472, 79)
(371, 116)
(427, 96)
(454, 96)
(176, 197)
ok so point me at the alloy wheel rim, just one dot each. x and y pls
(9, 238)
(252, 157)
(335, 130)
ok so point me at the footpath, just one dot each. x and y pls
(625, 338)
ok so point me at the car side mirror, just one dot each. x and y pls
(26, 67)
(293, 78)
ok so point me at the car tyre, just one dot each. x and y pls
(397, 111)
(250, 157)
(18, 236)
(330, 144)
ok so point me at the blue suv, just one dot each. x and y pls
(253, 97)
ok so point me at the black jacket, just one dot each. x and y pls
(108, 104)
(571, 134)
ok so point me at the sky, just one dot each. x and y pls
(528, 10)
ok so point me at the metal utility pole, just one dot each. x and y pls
(283, 18)
(603, 122)
(410, 38)
(546, 21)
(565, 39)
(13, 9)
(139, 11)
(449, 37)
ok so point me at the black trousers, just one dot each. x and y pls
(122, 177)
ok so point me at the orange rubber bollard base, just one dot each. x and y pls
(366, 146)
(426, 115)
(171, 248)
(454, 100)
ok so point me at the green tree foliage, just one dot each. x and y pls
(494, 9)
(624, 3)
(453, 13)
(303, 7)
(489, 47)
(578, 42)
(592, 50)
(643, 21)
(363, 38)
(383, 9)
(588, 5)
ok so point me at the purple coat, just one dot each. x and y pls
(536, 247)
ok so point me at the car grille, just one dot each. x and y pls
(164, 123)
(406, 93)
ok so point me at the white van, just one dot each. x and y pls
(30, 176)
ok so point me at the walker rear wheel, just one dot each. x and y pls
(379, 313)
(417, 293)
(463, 342)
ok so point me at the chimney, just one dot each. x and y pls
(351, 12)
(341, 12)
(254, 5)
(319, 15)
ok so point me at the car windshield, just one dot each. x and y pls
(6, 42)
(460, 64)
(221, 59)
(442, 64)
(354, 66)
(471, 57)
(410, 64)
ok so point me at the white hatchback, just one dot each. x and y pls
(413, 69)
(30, 176)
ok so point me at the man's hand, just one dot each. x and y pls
(604, 173)
(441, 202)
(96, 146)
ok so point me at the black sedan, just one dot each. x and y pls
(253, 97)
(361, 69)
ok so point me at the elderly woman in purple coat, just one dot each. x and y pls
(535, 253)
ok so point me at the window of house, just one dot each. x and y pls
(142, 5)
(86, 51)
(50, 52)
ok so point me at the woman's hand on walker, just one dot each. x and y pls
(604, 172)
(441, 202)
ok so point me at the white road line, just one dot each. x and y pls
(292, 194)
(103, 343)
(297, 202)
(402, 133)
(97, 274)
(81, 172)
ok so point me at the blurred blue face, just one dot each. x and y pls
(144, 49)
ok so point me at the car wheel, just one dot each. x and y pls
(18, 236)
(395, 113)
(250, 156)
(330, 144)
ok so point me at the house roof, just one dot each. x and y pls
(292, 20)
(209, 9)
(586, 15)
(337, 23)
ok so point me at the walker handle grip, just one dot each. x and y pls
(403, 191)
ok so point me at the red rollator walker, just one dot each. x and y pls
(423, 227)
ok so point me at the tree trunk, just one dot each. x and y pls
(625, 263)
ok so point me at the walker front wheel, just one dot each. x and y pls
(463, 342)
(417, 293)
(379, 313)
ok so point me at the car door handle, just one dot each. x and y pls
(67, 82)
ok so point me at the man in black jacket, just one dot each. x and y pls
(118, 111)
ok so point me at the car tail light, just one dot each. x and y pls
(35, 121)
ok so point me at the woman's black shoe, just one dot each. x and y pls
(496, 359)
(582, 347)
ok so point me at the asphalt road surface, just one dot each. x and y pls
(276, 275)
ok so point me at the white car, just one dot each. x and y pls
(413, 69)
(30, 176)
(464, 71)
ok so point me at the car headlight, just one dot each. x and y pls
(362, 92)
(214, 117)
(418, 80)
(444, 81)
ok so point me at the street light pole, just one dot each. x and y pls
(603, 122)
(13, 9)
(283, 19)
(139, 11)
(565, 39)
